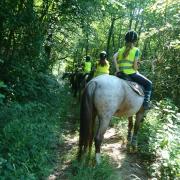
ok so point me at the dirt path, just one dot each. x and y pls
(127, 166)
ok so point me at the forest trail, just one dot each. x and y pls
(127, 166)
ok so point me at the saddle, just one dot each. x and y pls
(135, 86)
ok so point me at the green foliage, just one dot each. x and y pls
(2, 96)
(20, 44)
(26, 142)
(155, 21)
(79, 171)
(159, 139)
(29, 135)
(160, 48)
(37, 35)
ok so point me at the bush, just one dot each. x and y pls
(26, 142)
(103, 171)
(160, 139)
(29, 134)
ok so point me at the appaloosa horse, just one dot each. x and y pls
(103, 97)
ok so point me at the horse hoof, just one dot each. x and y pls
(128, 145)
(132, 149)
(129, 148)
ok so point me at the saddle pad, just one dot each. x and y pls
(136, 87)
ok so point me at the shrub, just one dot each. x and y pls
(160, 139)
(26, 142)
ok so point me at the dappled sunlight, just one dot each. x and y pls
(67, 152)
(127, 165)
(71, 139)
(114, 145)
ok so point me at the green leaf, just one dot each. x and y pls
(2, 96)
(2, 84)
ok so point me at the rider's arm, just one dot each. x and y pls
(135, 66)
(136, 60)
(115, 62)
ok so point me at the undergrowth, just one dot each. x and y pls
(159, 140)
(29, 135)
(103, 171)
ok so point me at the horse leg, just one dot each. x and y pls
(103, 124)
(80, 87)
(74, 86)
(139, 117)
(129, 136)
(130, 126)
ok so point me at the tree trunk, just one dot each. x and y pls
(141, 25)
(137, 19)
(110, 35)
(87, 44)
(119, 37)
(131, 20)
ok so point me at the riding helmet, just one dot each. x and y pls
(88, 58)
(131, 36)
(103, 55)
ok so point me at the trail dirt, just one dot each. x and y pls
(127, 166)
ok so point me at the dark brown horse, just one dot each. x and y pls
(75, 79)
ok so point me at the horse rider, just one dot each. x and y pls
(102, 67)
(87, 67)
(126, 61)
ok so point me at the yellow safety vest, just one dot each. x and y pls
(126, 64)
(87, 67)
(102, 69)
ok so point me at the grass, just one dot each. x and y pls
(30, 135)
(103, 171)
(159, 139)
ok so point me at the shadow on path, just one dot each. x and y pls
(127, 166)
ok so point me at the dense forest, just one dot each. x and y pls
(39, 39)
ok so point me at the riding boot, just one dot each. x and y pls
(146, 103)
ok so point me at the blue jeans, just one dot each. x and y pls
(146, 83)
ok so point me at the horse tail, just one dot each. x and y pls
(87, 119)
